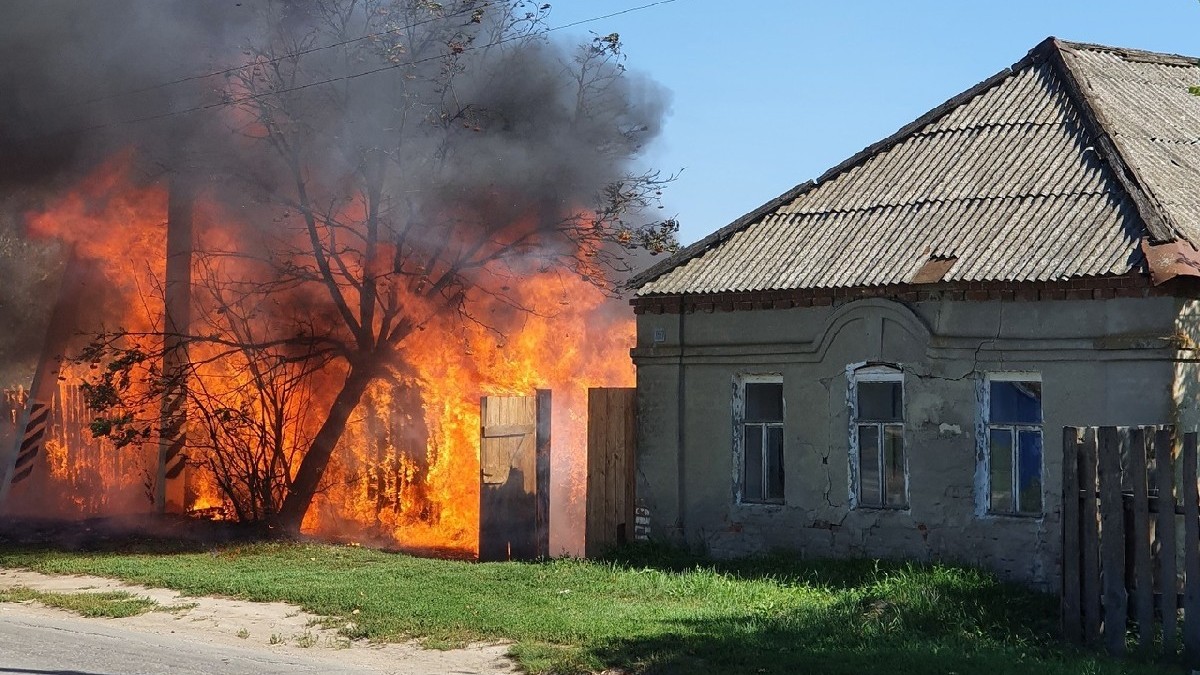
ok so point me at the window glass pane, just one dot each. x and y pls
(1029, 471)
(868, 466)
(764, 402)
(1016, 403)
(893, 465)
(775, 463)
(752, 487)
(1001, 455)
(880, 401)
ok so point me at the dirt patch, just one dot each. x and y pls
(275, 626)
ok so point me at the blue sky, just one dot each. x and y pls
(768, 94)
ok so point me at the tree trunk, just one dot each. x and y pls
(316, 460)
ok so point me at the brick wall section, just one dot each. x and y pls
(1099, 288)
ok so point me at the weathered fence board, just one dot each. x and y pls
(1090, 521)
(1191, 555)
(1143, 571)
(1112, 542)
(1121, 563)
(1164, 534)
(1072, 612)
(610, 467)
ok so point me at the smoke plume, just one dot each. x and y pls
(373, 179)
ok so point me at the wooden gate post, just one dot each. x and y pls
(514, 473)
(610, 468)
(542, 444)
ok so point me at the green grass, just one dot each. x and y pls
(112, 605)
(643, 610)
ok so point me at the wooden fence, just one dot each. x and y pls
(1131, 541)
(610, 469)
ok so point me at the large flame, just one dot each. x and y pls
(406, 471)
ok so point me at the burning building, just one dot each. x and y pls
(274, 286)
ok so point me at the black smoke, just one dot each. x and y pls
(81, 80)
(76, 76)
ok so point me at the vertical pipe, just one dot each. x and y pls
(171, 483)
(681, 401)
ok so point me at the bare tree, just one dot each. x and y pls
(421, 156)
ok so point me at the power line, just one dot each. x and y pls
(251, 97)
(277, 59)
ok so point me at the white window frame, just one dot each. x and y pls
(984, 426)
(739, 438)
(862, 372)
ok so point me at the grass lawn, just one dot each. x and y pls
(643, 610)
(112, 605)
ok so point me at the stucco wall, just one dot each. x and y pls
(1101, 362)
(1187, 369)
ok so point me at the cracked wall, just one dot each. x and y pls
(1101, 362)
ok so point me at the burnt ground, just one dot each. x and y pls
(162, 533)
(154, 533)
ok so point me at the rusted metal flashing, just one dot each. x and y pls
(1171, 259)
(933, 270)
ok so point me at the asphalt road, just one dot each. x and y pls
(38, 641)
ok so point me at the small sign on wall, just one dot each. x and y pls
(641, 524)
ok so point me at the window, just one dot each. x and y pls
(1013, 406)
(878, 459)
(760, 423)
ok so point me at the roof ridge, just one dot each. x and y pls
(1143, 55)
(1038, 54)
(1154, 217)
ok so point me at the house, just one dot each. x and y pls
(880, 362)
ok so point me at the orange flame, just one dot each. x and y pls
(406, 471)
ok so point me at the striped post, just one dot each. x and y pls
(18, 461)
(31, 441)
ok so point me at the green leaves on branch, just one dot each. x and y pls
(110, 393)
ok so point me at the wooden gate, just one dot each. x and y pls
(610, 468)
(1131, 540)
(514, 477)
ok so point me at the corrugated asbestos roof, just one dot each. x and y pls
(1055, 168)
